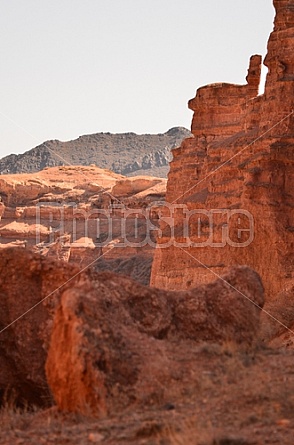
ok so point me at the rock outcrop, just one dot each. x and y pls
(230, 188)
(80, 214)
(115, 343)
(127, 153)
(106, 330)
(277, 320)
(30, 285)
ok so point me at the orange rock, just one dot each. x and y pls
(113, 340)
(110, 333)
(51, 210)
(29, 284)
(238, 168)
(283, 422)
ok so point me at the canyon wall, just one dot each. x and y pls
(230, 187)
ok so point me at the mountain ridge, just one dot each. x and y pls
(123, 153)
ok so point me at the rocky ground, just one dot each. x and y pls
(131, 364)
(232, 398)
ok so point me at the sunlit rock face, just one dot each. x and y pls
(231, 185)
(87, 216)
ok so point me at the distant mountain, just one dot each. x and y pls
(125, 153)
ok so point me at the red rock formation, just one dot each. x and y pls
(58, 207)
(27, 281)
(116, 343)
(102, 327)
(280, 308)
(239, 167)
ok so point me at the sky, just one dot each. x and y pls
(74, 67)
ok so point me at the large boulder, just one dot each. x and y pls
(116, 343)
(112, 342)
(29, 288)
(277, 320)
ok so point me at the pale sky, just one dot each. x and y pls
(74, 67)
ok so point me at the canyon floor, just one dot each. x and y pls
(234, 397)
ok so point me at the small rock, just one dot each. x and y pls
(95, 437)
(169, 406)
(283, 422)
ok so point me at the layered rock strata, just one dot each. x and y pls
(230, 188)
(80, 214)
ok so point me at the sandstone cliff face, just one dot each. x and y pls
(238, 168)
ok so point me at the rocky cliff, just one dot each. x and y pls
(230, 187)
(127, 153)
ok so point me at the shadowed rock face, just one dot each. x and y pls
(239, 167)
(112, 338)
(25, 280)
(117, 344)
(137, 267)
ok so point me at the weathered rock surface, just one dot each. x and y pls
(126, 153)
(73, 184)
(237, 170)
(277, 320)
(110, 319)
(116, 343)
(78, 214)
(30, 285)
(137, 267)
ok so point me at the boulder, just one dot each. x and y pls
(116, 343)
(111, 341)
(30, 285)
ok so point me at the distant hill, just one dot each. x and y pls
(125, 153)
